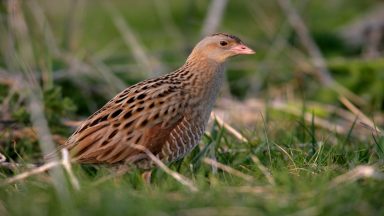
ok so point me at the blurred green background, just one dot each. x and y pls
(98, 34)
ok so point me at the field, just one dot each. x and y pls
(297, 130)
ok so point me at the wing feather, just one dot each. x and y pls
(143, 114)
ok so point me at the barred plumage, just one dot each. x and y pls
(166, 115)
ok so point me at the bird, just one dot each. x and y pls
(166, 115)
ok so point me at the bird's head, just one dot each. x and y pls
(219, 47)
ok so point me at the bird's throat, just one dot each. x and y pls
(204, 75)
(203, 80)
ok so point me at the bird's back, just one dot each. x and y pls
(164, 115)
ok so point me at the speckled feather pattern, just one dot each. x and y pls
(166, 115)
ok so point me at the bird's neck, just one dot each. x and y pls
(203, 79)
(202, 69)
(203, 74)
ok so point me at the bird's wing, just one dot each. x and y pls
(143, 114)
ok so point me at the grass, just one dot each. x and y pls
(305, 151)
(304, 185)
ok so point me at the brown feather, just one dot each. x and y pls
(166, 115)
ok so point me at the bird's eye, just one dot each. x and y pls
(223, 43)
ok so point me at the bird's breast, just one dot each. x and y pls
(204, 91)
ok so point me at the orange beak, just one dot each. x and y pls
(241, 49)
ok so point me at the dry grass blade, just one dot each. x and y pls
(72, 123)
(373, 130)
(308, 117)
(250, 189)
(314, 52)
(365, 120)
(359, 172)
(2, 158)
(165, 15)
(214, 16)
(72, 24)
(29, 87)
(288, 155)
(180, 178)
(39, 122)
(119, 172)
(210, 211)
(305, 212)
(65, 162)
(11, 165)
(14, 166)
(341, 124)
(20, 32)
(76, 66)
(229, 128)
(323, 123)
(228, 169)
(115, 82)
(302, 31)
(264, 170)
(138, 50)
(44, 26)
(32, 172)
(3, 210)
